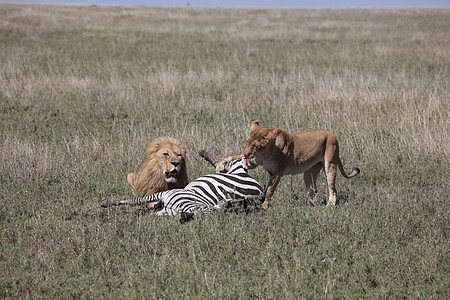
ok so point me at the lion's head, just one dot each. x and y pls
(265, 140)
(163, 168)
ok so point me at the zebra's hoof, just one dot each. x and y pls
(108, 203)
(105, 203)
(265, 205)
(186, 217)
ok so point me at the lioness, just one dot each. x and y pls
(281, 153)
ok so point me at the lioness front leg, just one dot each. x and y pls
(271, 186)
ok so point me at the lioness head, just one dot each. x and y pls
(261, 140)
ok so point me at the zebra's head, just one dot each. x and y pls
(232, 165)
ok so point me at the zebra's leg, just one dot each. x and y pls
(108, 203)
(154, 198)
(187, 216)
(154, 205)
(310, 177)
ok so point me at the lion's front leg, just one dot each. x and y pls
(131, 179)
(271, 186)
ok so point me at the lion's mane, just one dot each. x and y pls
(149, 178)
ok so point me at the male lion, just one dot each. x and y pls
(281, 153)
(163, 168)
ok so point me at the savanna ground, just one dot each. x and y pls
(84, 89)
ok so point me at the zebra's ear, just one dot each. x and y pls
(223, 166)
(253, 125)
(220, 168)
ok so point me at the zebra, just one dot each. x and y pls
(206, 194)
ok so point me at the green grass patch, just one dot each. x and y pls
(83, 90)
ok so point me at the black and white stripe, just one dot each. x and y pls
(205, 194)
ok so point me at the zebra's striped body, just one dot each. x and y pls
(206, 194)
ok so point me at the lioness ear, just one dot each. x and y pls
(253, 125)
(271, 134)
(283, 140)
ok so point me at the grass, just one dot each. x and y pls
(84, 89)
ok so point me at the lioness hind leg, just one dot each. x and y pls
(310, 178)
(330, 170)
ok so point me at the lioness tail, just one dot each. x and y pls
(355, 172)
